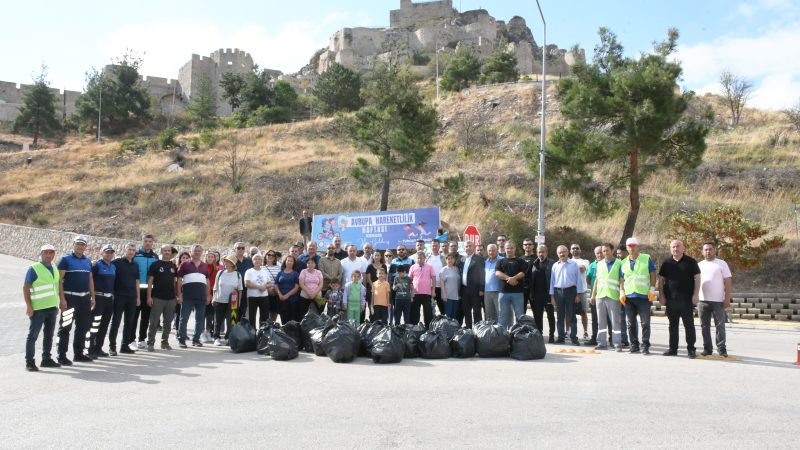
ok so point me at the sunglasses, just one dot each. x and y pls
(239, 248)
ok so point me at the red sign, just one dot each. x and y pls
(471, 235)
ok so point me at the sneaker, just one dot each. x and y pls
(102, 354)
(49, 363)
(575, 341)
(83, 359)
(64, 361)
(127, 350)
(670, 353)
(592, 342)
(197, 344)
(151, 348)
(706, 352)
(182, 344)
(112, 352)
(30, 366)
(218, 342)
(619, 349)
(205, 338)
(165, 345)
(625, 345)
(92, 355)
(224, 342)
(692, 354)
(141, 345)
(634, 349)
(723, 353)
(559, 341)
(551, 340)
(132, 346)
(601, 347)
(645, 350)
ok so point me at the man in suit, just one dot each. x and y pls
(539, 291)
(472, 281)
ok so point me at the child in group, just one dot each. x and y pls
(450, 280)
(355, 297)
(403, 290)
(334, 299)
(380, 296)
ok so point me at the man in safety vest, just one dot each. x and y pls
(42, 293)
(605, 297)
(637, 291)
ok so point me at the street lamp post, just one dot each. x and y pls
(437, 71)
(540, 221)
(99, 108)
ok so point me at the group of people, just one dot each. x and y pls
(148, 293)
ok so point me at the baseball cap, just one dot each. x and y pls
(632, 241)
(299, 244)
(47, 248)
(107, 247)
(79, 238)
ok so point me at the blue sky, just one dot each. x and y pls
(758, 39)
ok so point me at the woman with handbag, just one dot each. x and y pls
(228, 283)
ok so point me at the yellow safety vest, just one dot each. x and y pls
(637, 280)
(608, 282)
(44, 290)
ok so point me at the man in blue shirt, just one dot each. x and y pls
(103, 274)
(491, 286)
(566, 280)
(637, 303)
(126, 299)
(42, 304)
(77, 287)
(144, 258)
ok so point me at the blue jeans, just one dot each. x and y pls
(451, 308)
(41, 318)
(510, 301)
(199, 307)
(565, 310)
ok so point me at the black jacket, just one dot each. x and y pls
(476, 276)
(534, 271)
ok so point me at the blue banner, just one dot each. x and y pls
(383, 229)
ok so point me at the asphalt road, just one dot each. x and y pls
(212, 398)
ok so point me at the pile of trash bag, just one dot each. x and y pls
(311, 321)
(262, 337)
(434, 345)
(242, 337)
(341, 342)
(282, 347)
(292, 328)
(492, 340)
(446, 325)
(411, 335)
(527, 342)
(462, 345)
(388, 346)
(367, 332)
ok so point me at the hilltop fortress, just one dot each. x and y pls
(416, 32)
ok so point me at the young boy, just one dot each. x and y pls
(355, 297)
(380, 296)
(334, 299)
(402, 295)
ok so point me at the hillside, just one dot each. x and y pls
(102, 189)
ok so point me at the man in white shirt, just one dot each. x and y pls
(351, 264)
(583, 307)
(715, 296)
(437, 261)
(367, 256)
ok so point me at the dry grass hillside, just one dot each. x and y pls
(102, 189)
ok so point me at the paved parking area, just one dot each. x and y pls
(210, 397)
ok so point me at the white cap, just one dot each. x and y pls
(632, 241)
(47, 247)
(107, 247)
(80, 238)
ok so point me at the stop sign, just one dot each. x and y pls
(471, 235)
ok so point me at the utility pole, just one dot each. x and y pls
(437, 71)
(99, 108)
(540, 221)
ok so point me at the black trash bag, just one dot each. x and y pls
(367, 332)
(316, 339)
(446, 325)
(527, 343)
(462, 345)
(523, 320)
(309, 322)
(433, 345)
(411, 335)
(243, 337)
(282, 347)
(262, 337)
(388, 346)
(341, 342)
(292, 328)
(492, 340)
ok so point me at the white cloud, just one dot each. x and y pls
(771, 60)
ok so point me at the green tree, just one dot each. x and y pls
(123, 99)
(501, 67)
(338, 89)
(279, 110)
(256, 92)
(462, 69)
(395, 125)
(626, 121)
(232, 85)
(202, 110)
(37, 116)
(733, 235)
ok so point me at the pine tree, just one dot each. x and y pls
(338, 89)
(37, 116)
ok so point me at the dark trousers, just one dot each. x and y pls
(640, 307)
(439, 303)
(222, 314)
(284, 311)
(142, 315)
(242, 308)
(381, 313)
(176, 316)
(42, 318)
(210, 318)
(402, 308)
(424, 301)
(470, 307)
(623, 324)
(594, 320)
(540, 304)
(101, 318)
(125, 313)
(81, 319)
(565, 307)
(260, 306)
(681, 310)
(706, 310)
